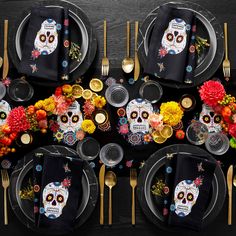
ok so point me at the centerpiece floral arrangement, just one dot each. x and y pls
(213, 94)
(60, 113)
(140, 123)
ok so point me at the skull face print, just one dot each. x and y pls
(55, 196)
(4, 111)
(138, 111)
(210, 119)
(185, 196)
(175, 36)
(72, 119)
(47, 37)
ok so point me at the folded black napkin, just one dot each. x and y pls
(46, 48)
(171, 53)
(188, 183)
(58, 191)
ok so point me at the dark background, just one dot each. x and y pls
(117, 12)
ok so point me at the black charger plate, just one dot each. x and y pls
(154, 167)
(24, 170)
(207, 27)
(82, 33)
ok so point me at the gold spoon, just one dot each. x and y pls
(128, 62)
(110, 181)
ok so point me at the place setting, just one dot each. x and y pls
(160, 133)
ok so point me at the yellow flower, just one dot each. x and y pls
(171, 112)
(99, 102)
(88, 126)
(39, 104)
(50, 107)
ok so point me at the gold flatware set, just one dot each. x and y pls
(110, 180)
(5, 185)
(128, 64)
(226, 62)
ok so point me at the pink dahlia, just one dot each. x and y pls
(232, 130)
(88, 108)
(17, 120)
(211, 92)
(62, 105)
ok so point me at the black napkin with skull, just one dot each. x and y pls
(171, 52)
(187, 190)
(57, 190)
(45, 52)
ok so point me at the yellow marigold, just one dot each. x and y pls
(99, 102)
(171, 112)
(50, 107)
(88, 126)
(38, 104)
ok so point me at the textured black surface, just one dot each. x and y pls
(117, 12)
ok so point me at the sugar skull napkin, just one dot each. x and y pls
(171, 52)
(190, 182)
(46, 48)
(57, 190)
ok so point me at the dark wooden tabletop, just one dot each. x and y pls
(117, 12)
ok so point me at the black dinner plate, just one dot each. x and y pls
(154, 168)
(82, 33)
(207, 27)
(20, 179)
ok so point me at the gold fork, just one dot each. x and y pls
(226, 62)
(5, 185)
(105, 61)
(133, 184)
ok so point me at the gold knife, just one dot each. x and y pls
(136, 60)
(5, 55)
(229, 184)
(101, 184)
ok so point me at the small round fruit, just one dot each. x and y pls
(77, 91)
(180, 134)
(87, 94)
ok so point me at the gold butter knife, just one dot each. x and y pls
(101, 184)
(229, 184)
(5, 55)
(136, 60)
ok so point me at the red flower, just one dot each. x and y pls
(211, 92)
(162, 52)
(166, 190)
(54, 126)
(35, 54)
(198, 181)
(66, 183)
(17, 120)
(232, 130)
(58, 91)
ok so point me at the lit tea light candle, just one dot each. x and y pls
(187, 102)
(100, 118)
(26, 138)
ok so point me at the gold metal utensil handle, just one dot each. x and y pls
(133, 206)
(101, 209)
(230, 210)
(5, 207)
(110, 207)
(105, 38)
(226, 39)
(5, 33)
(128, 38)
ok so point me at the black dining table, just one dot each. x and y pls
(117, 12)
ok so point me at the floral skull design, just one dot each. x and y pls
(47, 37)
(55, 196)
(175, 36)
(210, 119)
(138, 111)
(4, 111)
(185, 196)
(72, 119)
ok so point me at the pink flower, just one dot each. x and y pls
(162, 52)
(124, 129)
(211, 92)
(80, 134)
(129, 163)
(17, 120)
(66, 22)
(61, 105)
(54, 126)
(88, 108)
(234, 118)
(155, 121)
